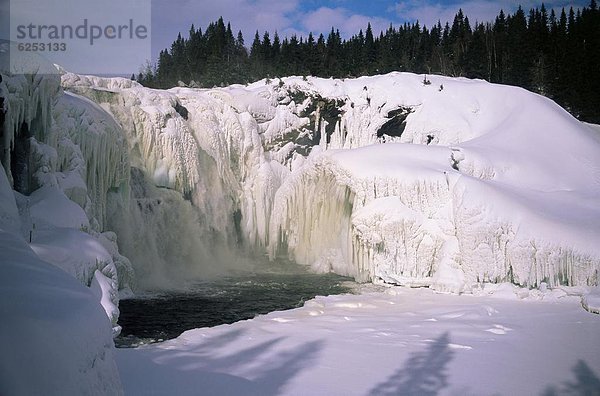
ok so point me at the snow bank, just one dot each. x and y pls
(63, 154)
(49, 206)
(9, 214)
(591, 301)
(55, 337)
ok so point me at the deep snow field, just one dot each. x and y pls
(468, 211)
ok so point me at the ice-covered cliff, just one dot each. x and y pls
(61, 274)
(384, 177)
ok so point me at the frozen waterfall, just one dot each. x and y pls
(381, 178)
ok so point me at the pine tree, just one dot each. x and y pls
(370, 54)
(333, 53)
(256, 58)
(276, 55)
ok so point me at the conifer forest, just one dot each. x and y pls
(550, 53)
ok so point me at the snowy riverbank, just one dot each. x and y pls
(503, 341)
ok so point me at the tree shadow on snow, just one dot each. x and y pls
(209, 368)
(423, 374)
(586, 383)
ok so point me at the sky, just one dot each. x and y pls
(287, 17)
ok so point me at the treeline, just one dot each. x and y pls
(555, 55)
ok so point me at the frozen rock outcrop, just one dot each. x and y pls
(475, 183)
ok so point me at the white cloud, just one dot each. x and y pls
(324, 18)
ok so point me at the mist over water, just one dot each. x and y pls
(190, 269)
(170, 240)
(269, 286)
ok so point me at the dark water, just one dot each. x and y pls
(228, 299)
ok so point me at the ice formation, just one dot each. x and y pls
(479, 183)
(63, 155)
(591, 301)
(53, 326)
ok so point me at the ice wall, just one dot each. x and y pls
(479, 207)
(310, 221)
(64, 154)
(97, 139)
(27, 106)
(460, 197)
(188, 156)
(402, 214)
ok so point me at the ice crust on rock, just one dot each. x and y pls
(28, 100)
(482, 185)
(298, 168)
(98, 140)
(70, 154)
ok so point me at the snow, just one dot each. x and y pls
(591, 301)
(49, 206)
(9, 214)
(55, 227)
(54, 336)
(395, 341)
(104, 289)
(401, 340)
(54, 328)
